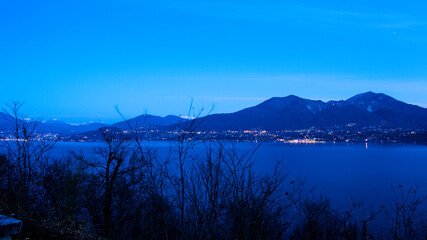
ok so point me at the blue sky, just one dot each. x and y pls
(76, 60)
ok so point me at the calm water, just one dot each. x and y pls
(365, 172)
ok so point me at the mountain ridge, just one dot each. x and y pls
(62, 128)
(367, 109)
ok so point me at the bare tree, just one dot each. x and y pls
(25, 152)
(186, 139)
(405, 216)
(153, 211)
(118, 168)
(227, 199)
(207, 192)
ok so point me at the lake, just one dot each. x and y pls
(339, 171)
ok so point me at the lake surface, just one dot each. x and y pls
(339, 171)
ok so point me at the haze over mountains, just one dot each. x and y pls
(278, 113)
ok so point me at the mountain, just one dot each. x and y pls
(391, 111)
(94, 135)
(4, 121)
(52, 126)
(292, 112)
(63, 128)
(66, 129)
(147, 120)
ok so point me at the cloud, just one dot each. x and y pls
(238, 98)
(219, 98)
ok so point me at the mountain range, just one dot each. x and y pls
(51, 126)
(67, 129)
(278, 113)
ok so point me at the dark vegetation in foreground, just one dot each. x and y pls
(129, 192)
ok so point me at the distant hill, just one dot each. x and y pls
(147, 120)
(66, 129)
(4, 122)
(292, 112)
(63, 128)
(53, 126)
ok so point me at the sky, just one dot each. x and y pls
(76, 60)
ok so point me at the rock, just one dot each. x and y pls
(9, 226)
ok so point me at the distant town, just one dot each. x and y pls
(302, 136)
